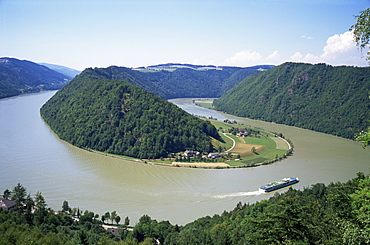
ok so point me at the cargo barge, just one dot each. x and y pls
(279, 184)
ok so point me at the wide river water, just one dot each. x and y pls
(32, 155)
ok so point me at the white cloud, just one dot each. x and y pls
(340, 49)
(244, 58)
(307, 37)
(250, 58)
(297, 56)
(274, 56)
(339, 43)
(308, 58)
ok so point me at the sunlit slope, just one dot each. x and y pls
(320, 97)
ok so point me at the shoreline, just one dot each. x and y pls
(204, 165)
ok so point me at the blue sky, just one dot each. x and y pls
(132, 33)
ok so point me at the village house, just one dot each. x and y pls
(214, 155)
(242, 132)
(191, 153)
(7, 204)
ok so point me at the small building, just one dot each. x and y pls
(7, 204)
(191, 153)
(242, 132)
(214, 155)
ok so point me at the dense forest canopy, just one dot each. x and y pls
(333, 100)
(117, 117)
(22, 76)
(179, 81)
(334, 214)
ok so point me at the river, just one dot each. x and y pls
(31, 154)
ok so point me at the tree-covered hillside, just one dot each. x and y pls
(179, 81)
(22, 76)
(319, 214)
(118, 117)
(333, 100)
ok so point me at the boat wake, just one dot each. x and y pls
(240, 194)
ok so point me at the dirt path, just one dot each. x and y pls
(234, 143)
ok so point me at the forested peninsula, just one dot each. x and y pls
(333, 100)
(118, 117)
(22, 76)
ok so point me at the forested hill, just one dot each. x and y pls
(117, 117)
(22, 76)
(179, 80)
(333, 100)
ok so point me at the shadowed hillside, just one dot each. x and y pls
(22, 76)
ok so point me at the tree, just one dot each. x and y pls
(361, 200)
(361, 30)
(117, 219)
(96, 217)
(65, 206)
(127, 221)
(19, 195)
(107, 216)
(364, 137)
(87, 217)
(254, 150)
(7, 193)
(40, 202)
(41, 212)
(28, 209)
(113, 216)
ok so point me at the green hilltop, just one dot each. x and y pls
(333, 100)
(118, 117)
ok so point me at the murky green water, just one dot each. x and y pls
(33, 156)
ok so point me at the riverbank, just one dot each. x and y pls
(239, 152)
(201, 164)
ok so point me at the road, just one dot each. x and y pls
(234, 143)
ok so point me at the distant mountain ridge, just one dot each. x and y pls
(179, 80)
(69, 72)
(333, 100)
(174, 66)
(22, 76)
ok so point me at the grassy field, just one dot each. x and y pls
(249, 150)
